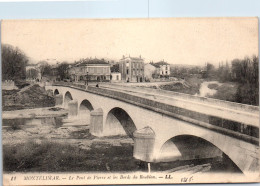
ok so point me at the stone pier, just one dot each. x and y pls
(144, 144)
(73, 107)
(96, 122)
(58, 100)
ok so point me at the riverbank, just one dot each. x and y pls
(227, 91)
(30, 96)
(35, 113)
(65, 145)
(188, 86)
(74, 149)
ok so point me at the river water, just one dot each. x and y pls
(205, 90)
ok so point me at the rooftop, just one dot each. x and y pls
(158, 64)
(85, 62)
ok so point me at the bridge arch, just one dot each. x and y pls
(119, 122)
(56, 92)
(85, 108)
(67, 98)
(186, 147)
(85, 105)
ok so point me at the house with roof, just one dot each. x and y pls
(132, 69)
(90, 70)
(162, 68)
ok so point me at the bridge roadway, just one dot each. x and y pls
(235, 112)
(156, 118)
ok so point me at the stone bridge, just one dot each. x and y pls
(167, 126)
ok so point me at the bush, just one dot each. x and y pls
(226, 91)
(247, 94)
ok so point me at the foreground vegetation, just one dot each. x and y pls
(54, 157)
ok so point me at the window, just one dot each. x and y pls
(127, 71)
(117, 77)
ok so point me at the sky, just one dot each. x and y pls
(191, 41)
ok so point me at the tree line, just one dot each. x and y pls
(14, 62)
(242, 71)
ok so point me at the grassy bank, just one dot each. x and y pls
(56, 157)
(191, 86)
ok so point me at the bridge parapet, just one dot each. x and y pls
(203, 100)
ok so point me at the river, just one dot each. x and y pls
(205, 90)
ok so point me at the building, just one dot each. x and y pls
(132, 69)
(90, 70)
(115, 77)
(163, 68)
(42, 71)
(149, 71)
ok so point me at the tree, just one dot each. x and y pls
(115, 68)
(224, 72)
(255, 71)
(245, 72)
(210, 67)
(62, 70)
(45, 68)
(14, 63)
(32, 74)
(210, 71)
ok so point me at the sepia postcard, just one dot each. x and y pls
(130, 101)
